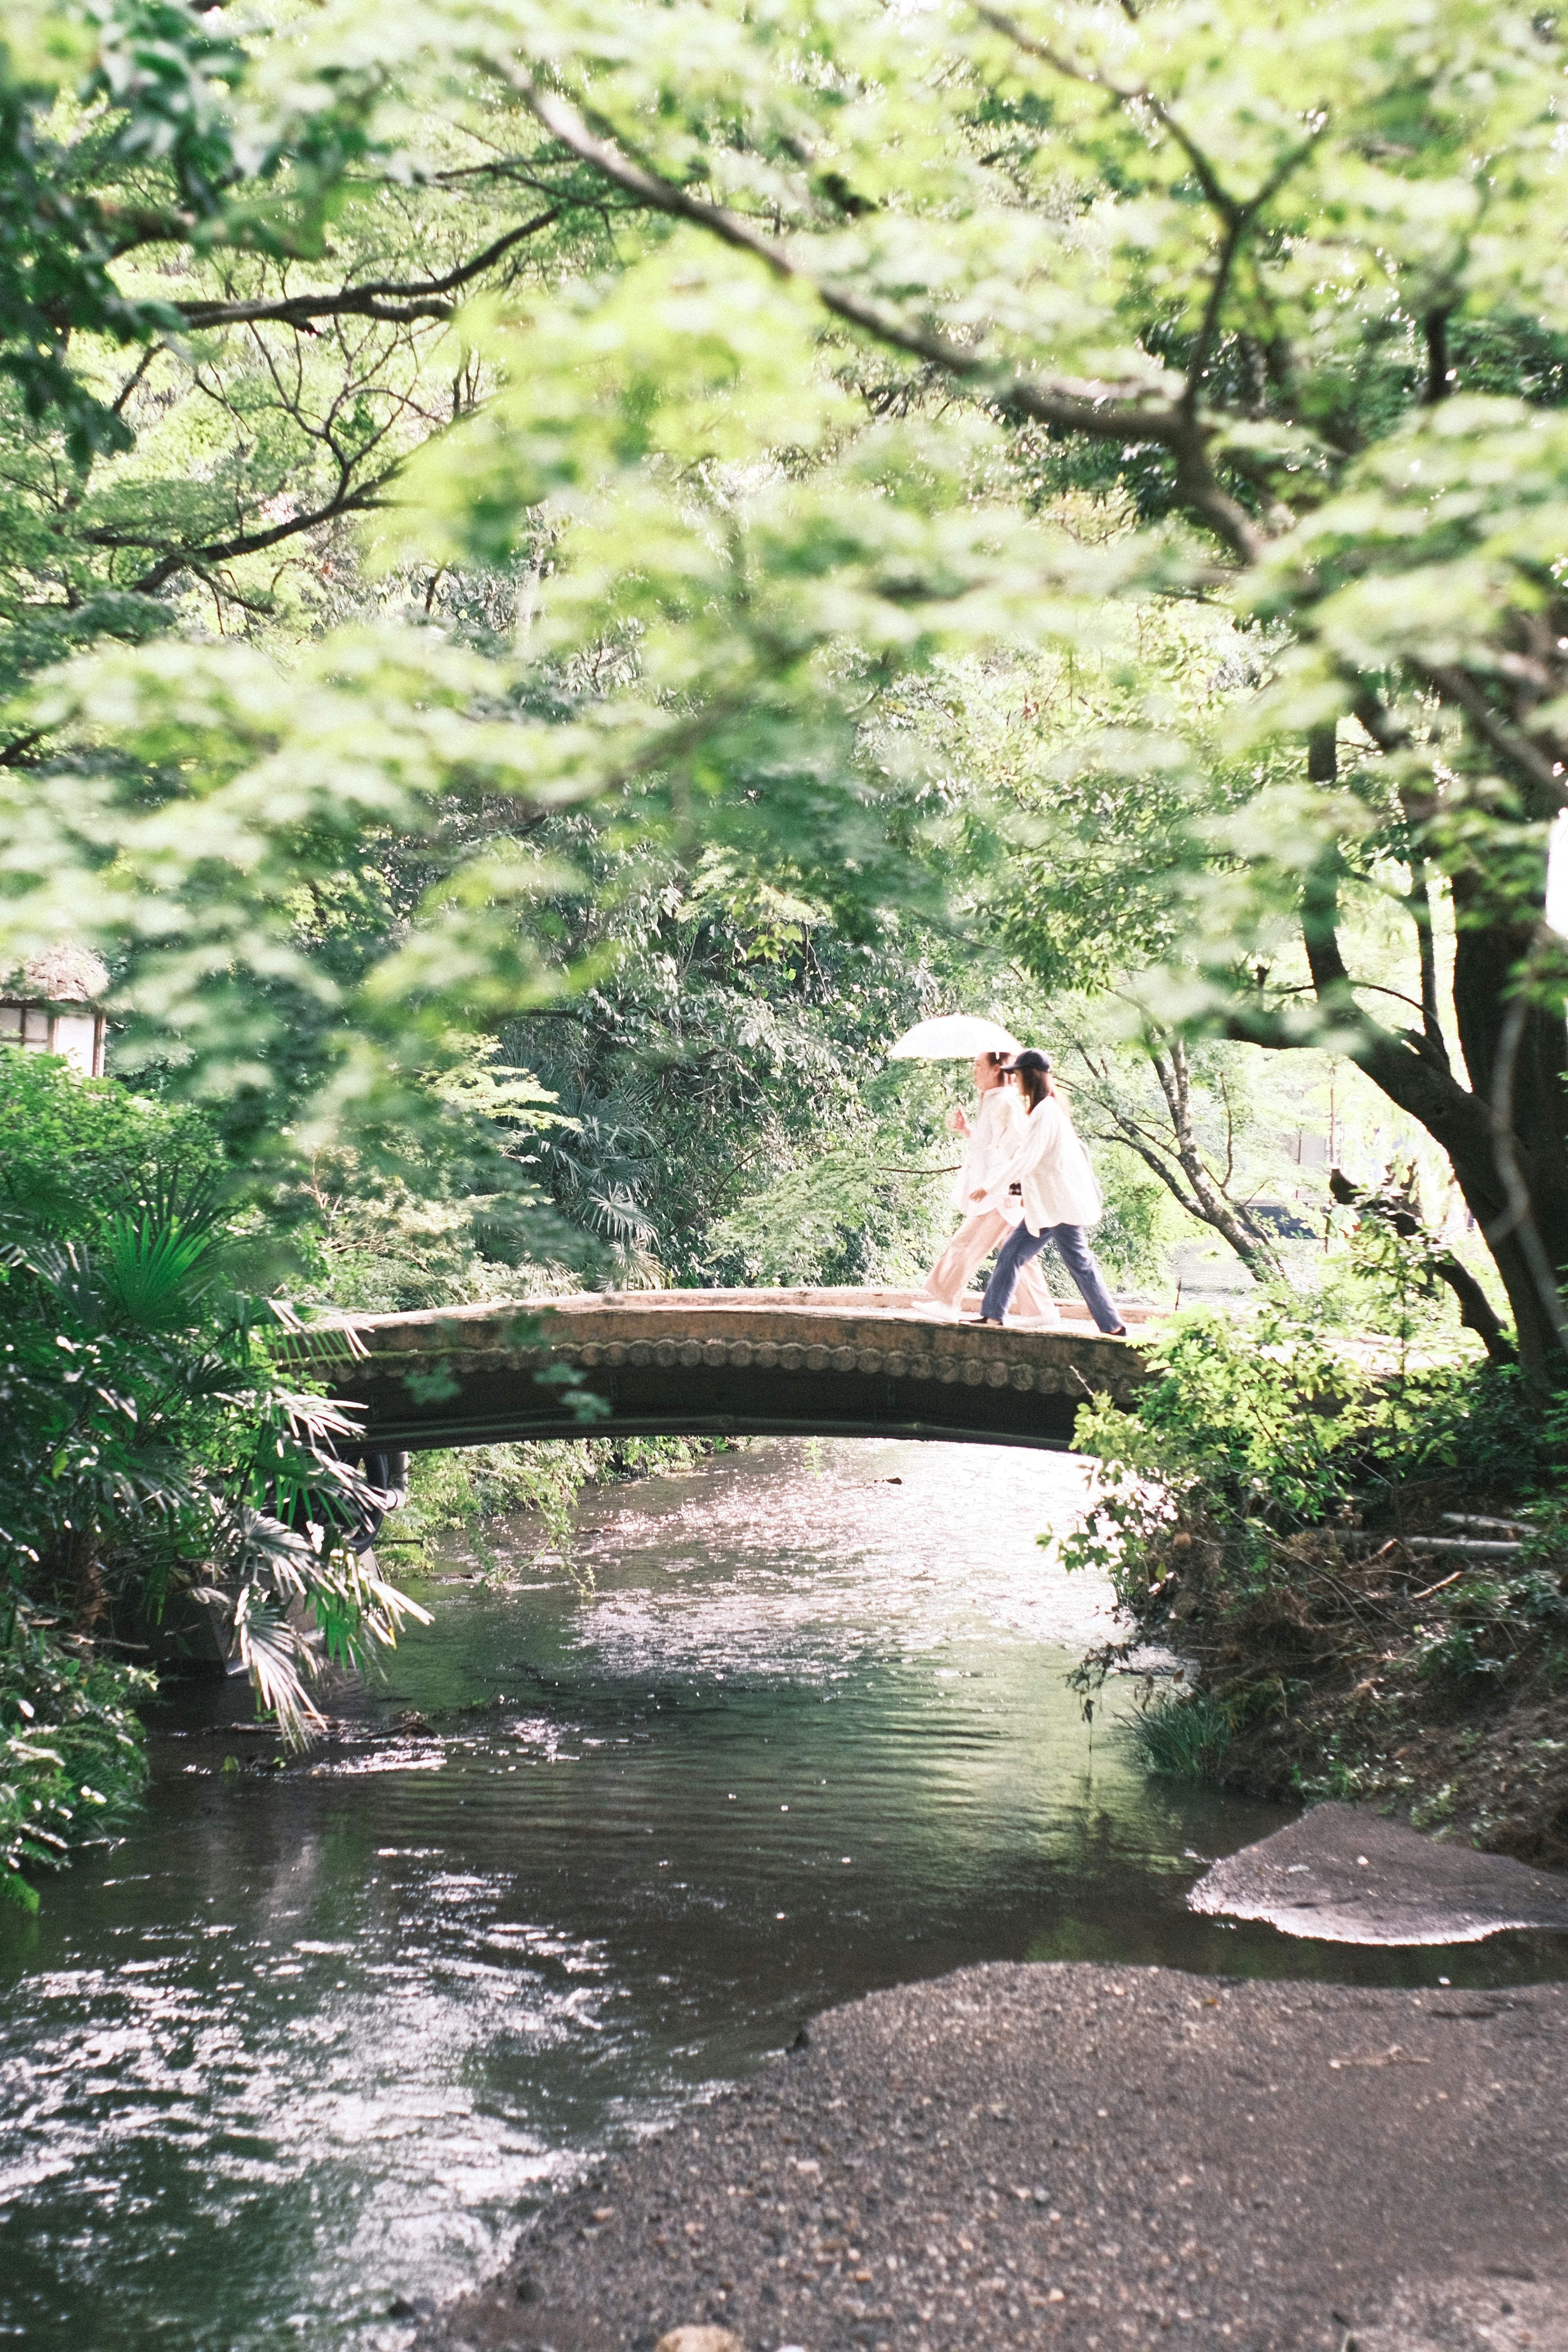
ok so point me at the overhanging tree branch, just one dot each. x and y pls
(1069, 407)
(1123, 93)
(1236, 213)
(362, 499)
(382, 299)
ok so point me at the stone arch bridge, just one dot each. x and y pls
(860, 1363)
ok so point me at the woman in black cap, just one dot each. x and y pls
(1049, 1168)
(996, 1127)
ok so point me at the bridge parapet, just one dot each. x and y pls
(724, 1362)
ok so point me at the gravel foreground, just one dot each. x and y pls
(1082, 2157)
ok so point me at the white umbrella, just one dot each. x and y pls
(954, 1037)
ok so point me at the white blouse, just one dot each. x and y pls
(994, 1131)
(1050, 1164)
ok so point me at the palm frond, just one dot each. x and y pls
(158, 1265)
(311, 1347)
(277, 1658)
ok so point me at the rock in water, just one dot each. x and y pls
(1347, 1876)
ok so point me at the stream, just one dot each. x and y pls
(306, 2045)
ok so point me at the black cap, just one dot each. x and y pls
(1031, 1058)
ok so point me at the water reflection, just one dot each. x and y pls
(310, 2039)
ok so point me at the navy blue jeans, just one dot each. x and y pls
(1021, 1246)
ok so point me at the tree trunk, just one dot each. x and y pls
(1517, 1057)
(1506, 1133)
(1515, 1184)
(85, 1575)
(1461, 1122)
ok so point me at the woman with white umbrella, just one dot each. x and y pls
(989, 1137)
(1048, 1171)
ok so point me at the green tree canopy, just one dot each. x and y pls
(843, 310)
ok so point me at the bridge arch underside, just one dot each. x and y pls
(691, 1366)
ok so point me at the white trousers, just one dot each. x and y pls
(970, 1246)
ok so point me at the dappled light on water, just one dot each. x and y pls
(300, 2049)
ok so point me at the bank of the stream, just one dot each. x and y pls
(1356, 1680)
(1366, 1577)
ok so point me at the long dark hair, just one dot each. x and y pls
(1033, 1071)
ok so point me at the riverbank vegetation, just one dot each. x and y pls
(563, 583)
(1360, 1553)
(158, 1463)
(545, 1478)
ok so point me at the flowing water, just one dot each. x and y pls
(311, 2039)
